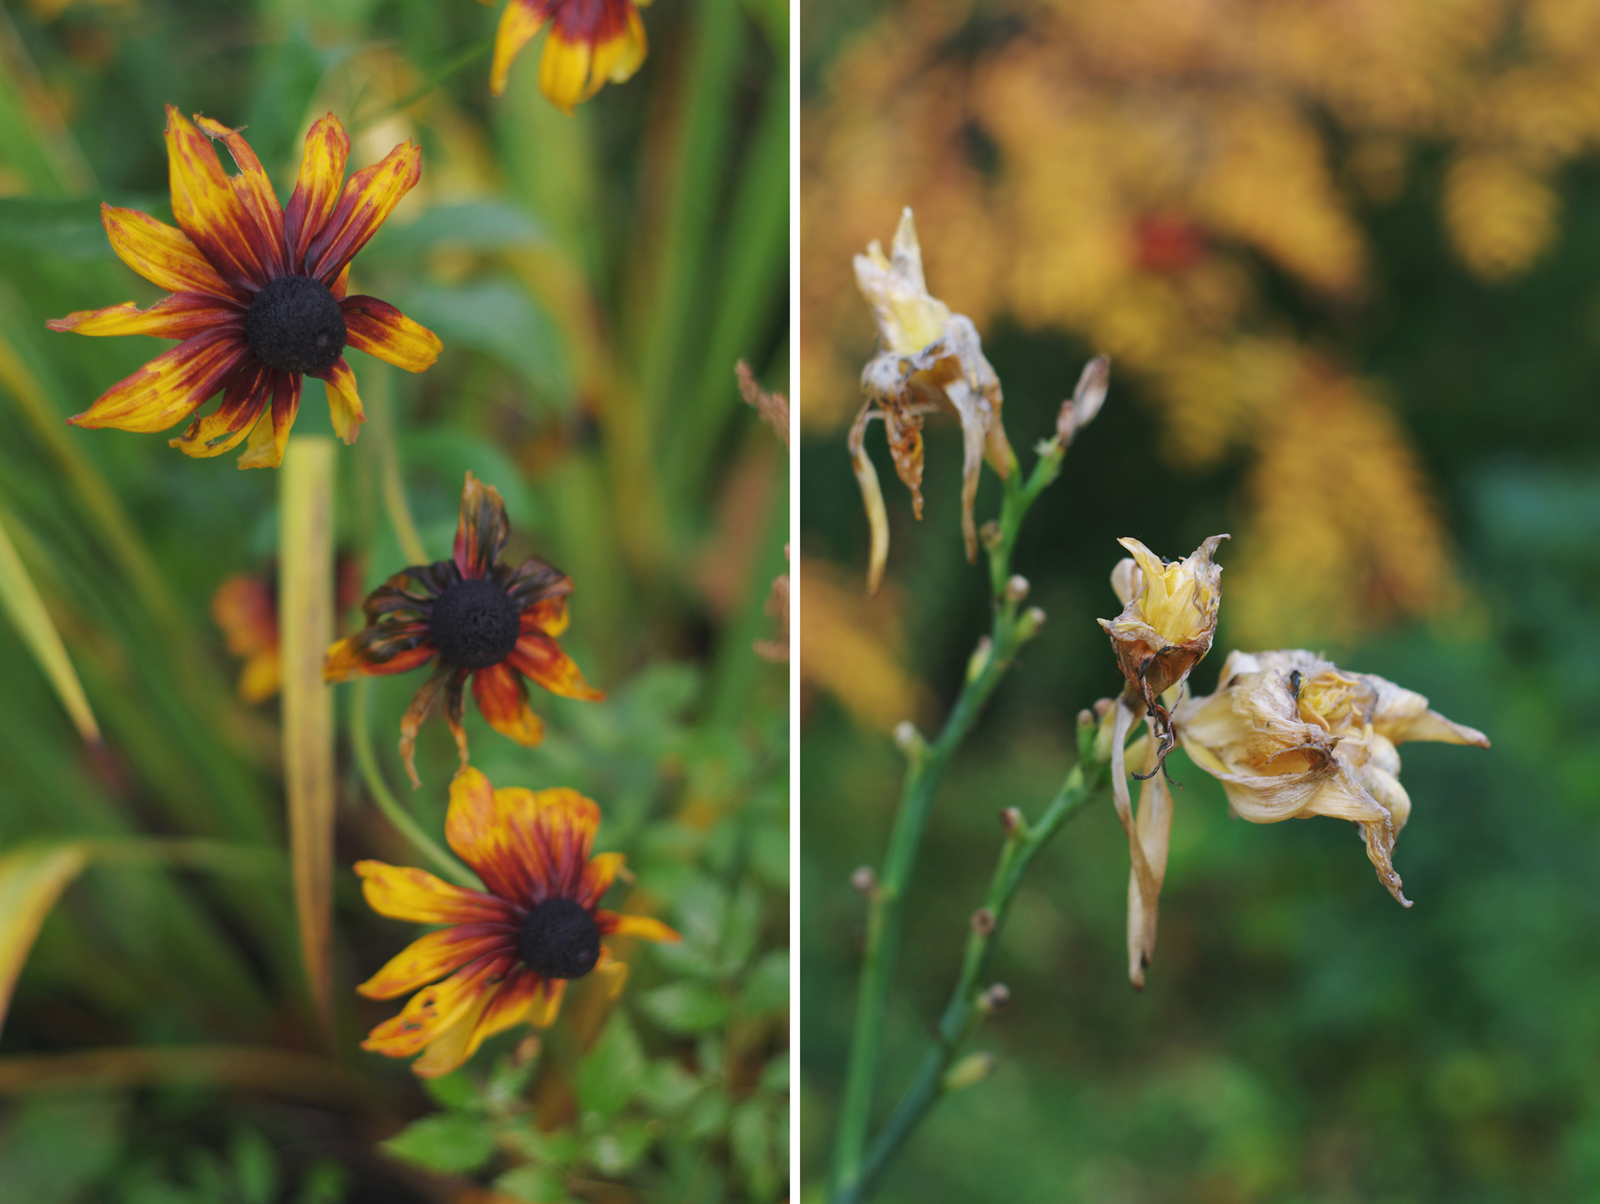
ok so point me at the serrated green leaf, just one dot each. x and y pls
(612, 1072)
(533, 1184)
(766, 985)
(685, 1007)
(450, 1141)
(619, 1149)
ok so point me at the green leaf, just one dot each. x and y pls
(449, 1141)
(63, 229)
(686, 1007)
(766, 986)
(668, 1087)
(501, 320)
(454, 1090)
(743, 926)
(748, 1137)
(708, 1118)
(255, 1167)
(613, 1071)
(775, 1074)
(534, 1184)
(31, 880)
(618, 1150)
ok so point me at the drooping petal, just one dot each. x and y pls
(254, 191)
(170, 386)
(503, 699)
(550, 616)
(180, 316)
(433, 1010)
(610, 923)
(344, 402)
(526, 845)
(482, 529)
(380, 329)
(247, 397)
(521, 999)
(411, 722)
(455, 709)
(316, 190)
(162, 254)
(618, 55)
(405, 893)
(368, 198)
(1153, 831)
(533, 581)
(379, 651)
(541, 659)
(598, 876)
(520, 21)
(450, 1047)
(564, 69)
(435, 954)
(271, 431)
(547, 1003)
(211, 213)
(871, 499)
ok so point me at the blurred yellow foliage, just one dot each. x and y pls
(1116, 168)
(850, 646)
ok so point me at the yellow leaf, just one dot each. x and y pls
(27, 612)
(31, 880)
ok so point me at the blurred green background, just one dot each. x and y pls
(1301, 1038)
(594, 280)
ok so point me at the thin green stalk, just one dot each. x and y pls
(380, 422)
(966, 1007)
(927, 763)
(372, 775)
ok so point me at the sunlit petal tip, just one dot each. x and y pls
(407, 893)
(518, 24)
(343, 661)
(542, 661)
(381, 330)
(647, 928)
(344, 402)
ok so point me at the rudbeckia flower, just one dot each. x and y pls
(590, 43)
(1290, 735)
(258, 293)
(478, 619)
(929, 361)
(510, 950)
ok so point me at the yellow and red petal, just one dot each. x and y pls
(520, 21)
(169, 387)
(541, 659)
(254, 191)
(271, 432)
(380, 329)
(344, 403)
(526, 845)
(433, 1010)
(341, 284)
(533, 581)
(180, 316)
(246, 400)
(405, 893)
(379, 651)
(245, 609)
(368, 198)
(503, 700)
(548, 615)
(564, 69)
(647, 927)
(211, 213)
(598, 876)
(524, 998)
(482, 529)
(162, 254)
(316, 190)
(435, 954)
(411, 722)
(619, 55)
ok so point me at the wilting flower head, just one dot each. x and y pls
(478, 619)
(928, 360)
(510, 950)
(1168, 619)
(1290, 735)
(245, 606)
(590, 43)
(258, 293)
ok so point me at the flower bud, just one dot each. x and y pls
(979, 660)
(970, 1071)
(1086, 400)
(995, 998)
(1016, 588)
(864, 880)
(906, 736)
(1011, 820)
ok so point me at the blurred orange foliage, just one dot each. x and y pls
(1117, 168)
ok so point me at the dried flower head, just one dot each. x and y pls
(1290, 735)
(929, 360)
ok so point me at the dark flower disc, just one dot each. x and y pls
(559, 939)
(474, 624)
(295, 325)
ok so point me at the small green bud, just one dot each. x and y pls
(970, 1071)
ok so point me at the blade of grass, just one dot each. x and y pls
(31, 880)
(305, 623)
(26, 608)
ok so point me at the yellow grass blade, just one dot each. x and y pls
(31, 880)
(26, 610)
(305, 619)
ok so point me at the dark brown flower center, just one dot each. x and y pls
(475, 623)
(559, 939)
(295, 325)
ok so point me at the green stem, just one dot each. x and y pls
(927, 763)
(404, 822)
(965, 1010)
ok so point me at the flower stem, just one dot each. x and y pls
(963, 1014)
(925, 770)
(404, 822)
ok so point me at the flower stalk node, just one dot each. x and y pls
(983, 921)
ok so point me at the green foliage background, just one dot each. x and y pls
(1301, 1038)
(662, 209)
